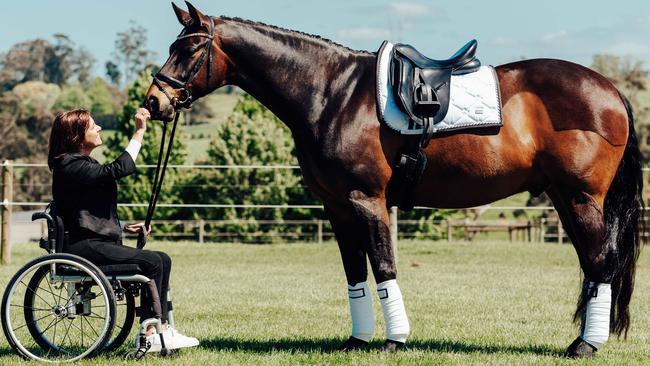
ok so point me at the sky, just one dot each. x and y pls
(507, 30)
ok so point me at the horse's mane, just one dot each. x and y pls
(312, 36)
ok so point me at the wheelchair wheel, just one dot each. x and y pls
(58, 308)
(124, 317)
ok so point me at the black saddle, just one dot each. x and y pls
(422, 84)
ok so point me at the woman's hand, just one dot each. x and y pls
(141, 117)
(137, 229)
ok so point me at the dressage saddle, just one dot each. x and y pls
(422, 84)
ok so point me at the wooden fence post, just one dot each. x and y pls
(560, 232)
(319, 233)
(201, 230)
(542, 230)
(7, 198)
(393, 226)
(449, 231)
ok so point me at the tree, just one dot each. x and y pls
(131, 54)
(252, 135)
(136, 188)
(39, 60)
(26, 117)
(72, 96)
(113, 72)
(25, 61)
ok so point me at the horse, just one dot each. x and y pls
(567, 131)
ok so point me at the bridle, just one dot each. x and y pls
(184, 102)
(183, 87)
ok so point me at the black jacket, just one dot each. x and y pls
(85, 193)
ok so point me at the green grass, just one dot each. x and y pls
(483, 303)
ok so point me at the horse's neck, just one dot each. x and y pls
(295, 75)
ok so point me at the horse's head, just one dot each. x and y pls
(195, 67)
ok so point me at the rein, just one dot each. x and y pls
(184, 102)
(158, 178)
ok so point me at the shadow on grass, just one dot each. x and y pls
(7, 351)
(330, 345)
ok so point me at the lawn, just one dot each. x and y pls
(482, 303)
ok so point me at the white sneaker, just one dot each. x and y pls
(175, 340)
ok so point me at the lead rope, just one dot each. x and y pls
(158, 178)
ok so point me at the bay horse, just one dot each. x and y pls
(567, 131)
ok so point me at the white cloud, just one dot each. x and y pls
(503, 41)
(628, 48)
(364, 33)
(553, 37)
(410, 9)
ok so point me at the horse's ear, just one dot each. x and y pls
(196, 15)
(183, 17)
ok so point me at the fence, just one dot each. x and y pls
(540, 230)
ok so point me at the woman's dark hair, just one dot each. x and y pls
(68, 134)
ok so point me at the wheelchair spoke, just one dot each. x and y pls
(54, 337)
(91, 327)
(95, 316)
(48, 326)
(28, 307)
(66, 334)
(32, 322)
(35, 293)
(50, 286)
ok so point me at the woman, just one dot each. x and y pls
(85, 193)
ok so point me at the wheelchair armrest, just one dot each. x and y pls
(50, 243)
(43, 215)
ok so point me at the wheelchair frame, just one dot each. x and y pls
(75, 279)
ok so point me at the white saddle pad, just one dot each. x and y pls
(475, 100)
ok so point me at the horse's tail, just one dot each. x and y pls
(623, 217)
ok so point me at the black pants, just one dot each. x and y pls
(155, 265)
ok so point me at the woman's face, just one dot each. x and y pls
(92, 138)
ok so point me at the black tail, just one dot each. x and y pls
(623, 216)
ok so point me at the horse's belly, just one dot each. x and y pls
(467, 191)
(471, 170)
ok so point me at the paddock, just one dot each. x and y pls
(482, 302)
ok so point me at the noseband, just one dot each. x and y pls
(186, 100)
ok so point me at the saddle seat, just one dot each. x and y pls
(463, 60)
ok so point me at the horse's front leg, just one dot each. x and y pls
(353, 253)
(372, 215)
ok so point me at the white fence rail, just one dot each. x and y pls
(317, 230)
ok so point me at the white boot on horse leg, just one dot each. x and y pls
(594, 330)
(397, 323)
(363, 316)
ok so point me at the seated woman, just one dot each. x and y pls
(85, 193)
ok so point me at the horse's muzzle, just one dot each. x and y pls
(158, 112)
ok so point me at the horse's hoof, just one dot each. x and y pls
(580, 349)
(352, 344)
(391, 346)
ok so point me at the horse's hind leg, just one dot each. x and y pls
(582, 215)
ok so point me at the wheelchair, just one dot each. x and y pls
(61, 307)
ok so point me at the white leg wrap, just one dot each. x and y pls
(397, 324)
(363, 317)
(595, 325)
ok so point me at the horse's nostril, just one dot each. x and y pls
(154, 105)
